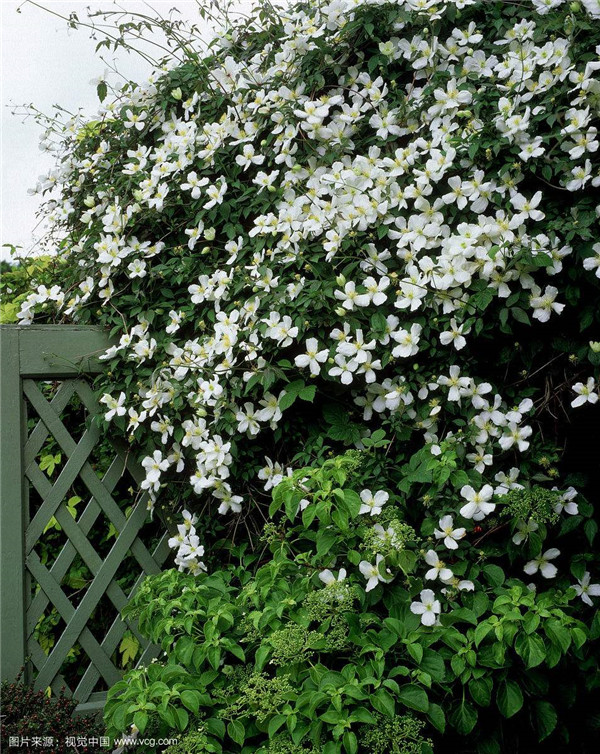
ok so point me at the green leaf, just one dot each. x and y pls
(383, 702)
(236, 731)
(558, 634)
(287, 399)
(545, 718)
(353, 502)
(494, 574)
(520, 315)
(413, 696)
(350, 742)
(102, 90)
(481, 690)
(406, 561)
(437, 717)
(261, 657)
(275, 724)
(182, 718)
(481, 632)
(579, 637)
(509, 698)
(433, 663)
(191, 700)
(463, 718)
(531, 649)
(591, 529)
(415, 651)
(128, 647)
(184, 649)
(308, 393)
(140, 720)
(216, 727)
(362, 715)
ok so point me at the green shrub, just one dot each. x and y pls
(320, 641)
(36, 722)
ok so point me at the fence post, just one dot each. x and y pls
(12, 510)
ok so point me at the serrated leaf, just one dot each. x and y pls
(413, 696)
(509, 698)
(140, 720)
(545, 718)
(531, 649)
(464, 718)
(236, 731)
(437, 717)
(128, 647)
(308, 393)
(383, 702)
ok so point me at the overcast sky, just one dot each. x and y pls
(45, 63)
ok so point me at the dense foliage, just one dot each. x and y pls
(19, 278)
(31, 721)
(282, 654)
(373, 225)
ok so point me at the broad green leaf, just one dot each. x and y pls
(383, 702)
(531, 649)
(494, 574)
(481, 632)
(413, 696)
(191, 700)
(140, 720)
(437, 717)
(545, 718)
(415, 651)
(350, 742)
(275, 723)
(182, 718)
(509, 698)
(236, 731)
(463, 718)
(481, 690)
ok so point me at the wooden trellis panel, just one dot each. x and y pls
(64, 356)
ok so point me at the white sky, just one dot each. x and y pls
(44, 63)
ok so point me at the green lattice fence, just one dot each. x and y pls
(45, 397)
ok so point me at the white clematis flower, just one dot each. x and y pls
(543, 565)
(428, 608)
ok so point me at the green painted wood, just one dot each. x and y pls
(38, 657)
(38, 437)
(77, 454)
(67, 354)
(61, 565)
(66, 611)
(92, 596)
(94, 704)
(12, 512)
(77, 538)
(59, 350)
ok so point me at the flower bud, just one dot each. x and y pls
(210, 234)
(177, 94)
(340, 280)
(595, 346)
